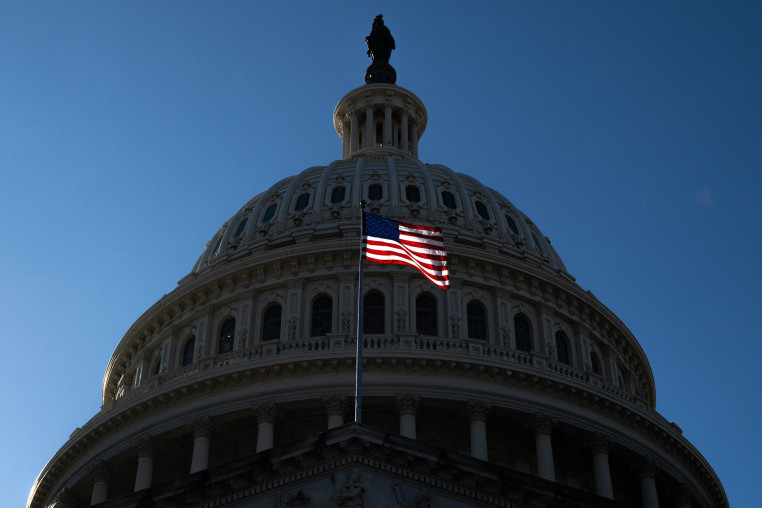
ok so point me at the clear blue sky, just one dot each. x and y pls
(630, 132)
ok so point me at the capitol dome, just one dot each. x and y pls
(515, 387)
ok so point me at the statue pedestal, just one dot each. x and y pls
(380, 72)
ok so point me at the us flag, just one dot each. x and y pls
(422, 247)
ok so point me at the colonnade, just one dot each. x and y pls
(407, 407)
(402, 134)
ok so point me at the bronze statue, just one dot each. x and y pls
(380, 45)
(380, 41)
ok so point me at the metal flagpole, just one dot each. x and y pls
(358, 358)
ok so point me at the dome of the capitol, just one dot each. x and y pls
(515, 387)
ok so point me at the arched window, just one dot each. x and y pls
(269, 213)
(188, 349)
(562, 347)
(227, 333)
(523, 334)
(271, 322)
(379, 134)
(477, 320)
(302, 201)
(322, 316)
(448, 198)
(481, 209)
(241, 228)
(512, 224)
(413, 193)
(338, 194)
(595, 363)
(426, 322)
(373, 313)
(375, 192)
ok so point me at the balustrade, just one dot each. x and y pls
(391, 343)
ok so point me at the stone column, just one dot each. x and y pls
(99, 473)
(404, 133)
(388, 124)
(414, 140)
(542, 431)
(600, 448)
(146, 451)
(335, 406)
(407, 407)
(370, 128)
(265, 429)
(647, 473)
(345, 135)
(202, 428)
(355, 132)
(477, 415)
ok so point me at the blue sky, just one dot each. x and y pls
(630, 132)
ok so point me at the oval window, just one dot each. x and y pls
(241, 228)
(338, 194)
(302, 201)
(375, 192)
(481, 209)
(269, 213)
(413, 194)
(448, 198)
(512, 224)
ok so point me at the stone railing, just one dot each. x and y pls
(373, 344)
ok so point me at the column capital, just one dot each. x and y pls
(599, 444)
(478, 411)
(335, 405)
(100, 472)
(407, 404)
(266, 413)
(66, 498)
(146, 447)
(683, 495)
(202, 427)
(647, 467)
(542, 425)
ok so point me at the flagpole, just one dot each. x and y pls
(358, 358)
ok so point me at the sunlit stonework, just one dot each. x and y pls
(516, 387)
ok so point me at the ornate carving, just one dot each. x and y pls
(100, 472)
(293, 321)
(287, 500)
(346, 321)
(599, 445)
(146, 448)
(454, 326)
(407, 404)
(335, 405)
(202, 427)
(266, 413)
(420, 499)
(542, 425)
(243, 335)
(401, 315)
(350, 495)
(647, 467)
(478, 411)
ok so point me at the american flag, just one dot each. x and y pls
(422, 247)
